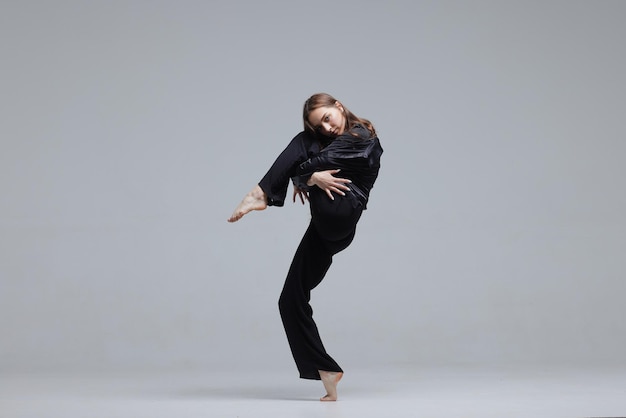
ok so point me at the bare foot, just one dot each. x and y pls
(330, 380)
(254, 200)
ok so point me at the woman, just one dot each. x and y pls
(334, 141)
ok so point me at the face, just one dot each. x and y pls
(328, 120)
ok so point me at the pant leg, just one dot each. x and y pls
(324, 237)
(308, 268)
(335, 220)
(276, 181)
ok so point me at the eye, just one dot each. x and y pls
(326, 118)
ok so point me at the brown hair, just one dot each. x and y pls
(324, 100)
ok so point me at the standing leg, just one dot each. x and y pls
(309, 265)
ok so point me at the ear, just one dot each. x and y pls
(339, 105)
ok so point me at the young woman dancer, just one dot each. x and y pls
(333, 164)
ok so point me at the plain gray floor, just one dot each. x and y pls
(443, 392)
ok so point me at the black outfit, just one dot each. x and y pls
(332, 228)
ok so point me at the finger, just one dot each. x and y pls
(338, 191)
(340, 186)
(329, 193)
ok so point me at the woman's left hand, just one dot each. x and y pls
(330, 184)
(303, 194)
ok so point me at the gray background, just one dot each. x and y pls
(131, 129)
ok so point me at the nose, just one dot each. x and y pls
(326, 127)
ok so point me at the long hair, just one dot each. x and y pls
(323, 100)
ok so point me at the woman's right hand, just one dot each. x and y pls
(326, 181)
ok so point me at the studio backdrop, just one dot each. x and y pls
(130, 130)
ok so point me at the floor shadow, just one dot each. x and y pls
(249, 392)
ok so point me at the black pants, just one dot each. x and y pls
(332, 229)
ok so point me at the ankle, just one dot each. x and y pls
(258, 193)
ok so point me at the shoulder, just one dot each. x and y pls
(357, 134)
(360, 131)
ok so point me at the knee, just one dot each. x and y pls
(288, 302)
(283, 303)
